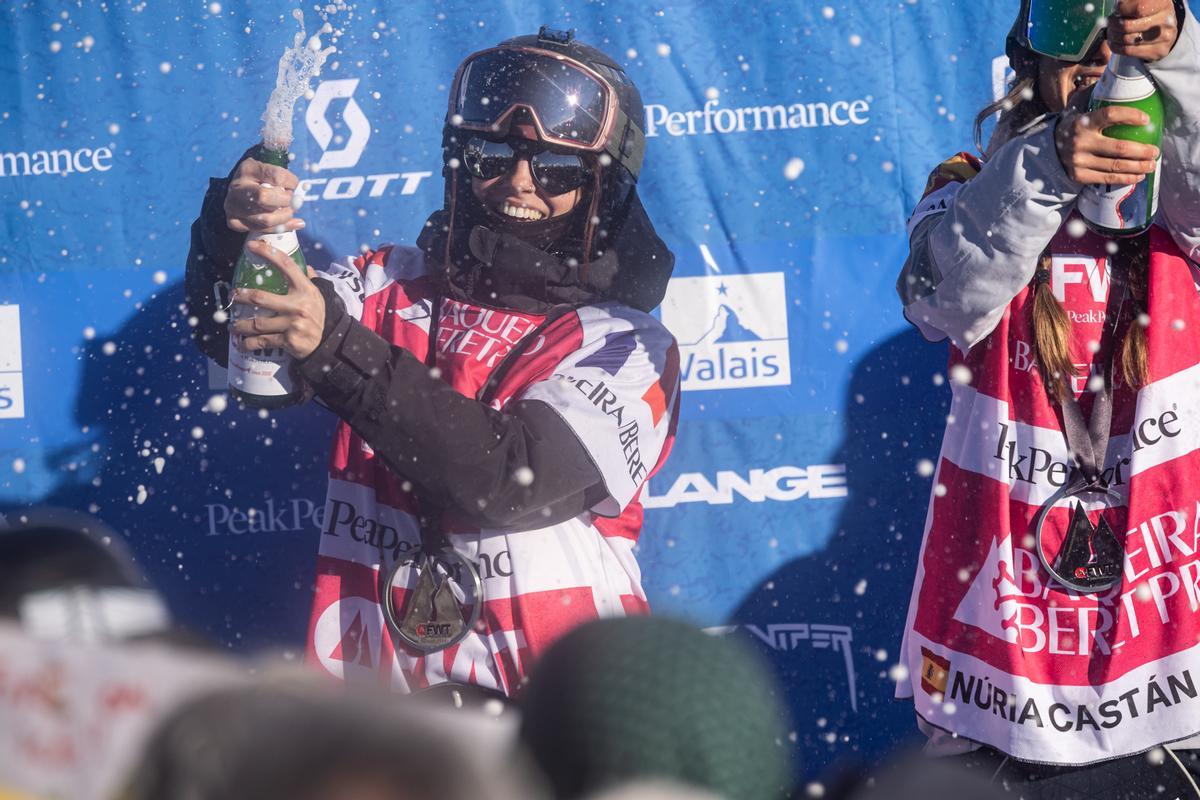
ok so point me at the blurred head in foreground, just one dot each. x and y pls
(308, 741)
(67, 575)
(645, 697)
(915, 776)
(654, 790)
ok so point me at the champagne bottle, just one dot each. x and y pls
(261, 379)
(1119, 209)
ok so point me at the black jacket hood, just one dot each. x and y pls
(493, 267)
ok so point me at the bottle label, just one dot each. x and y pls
(1121, 208)
(262, 373)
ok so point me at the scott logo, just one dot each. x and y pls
(352, 116)
(346, 187)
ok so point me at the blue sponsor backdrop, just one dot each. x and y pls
(789, 139)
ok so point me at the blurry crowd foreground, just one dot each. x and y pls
(102, 698)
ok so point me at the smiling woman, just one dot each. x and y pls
(1061, 532)
(504, 392)
(524, 180)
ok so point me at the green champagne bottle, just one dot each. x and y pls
(262, 379)
(1123, 210)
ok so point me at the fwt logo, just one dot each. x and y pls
(352, 116)
(732, 330)
(349, 150)
(12, 382)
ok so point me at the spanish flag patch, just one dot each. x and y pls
(935, 672)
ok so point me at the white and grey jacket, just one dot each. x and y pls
(974, 245)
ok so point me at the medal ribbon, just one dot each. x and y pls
(1088, 441)
(1090, 556)
(431, 619)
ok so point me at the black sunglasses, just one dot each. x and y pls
(556, 173)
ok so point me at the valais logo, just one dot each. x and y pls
(12, 389)
(732, 330)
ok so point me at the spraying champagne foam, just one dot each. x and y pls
(299, 64)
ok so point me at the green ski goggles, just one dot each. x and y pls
(1063, 29)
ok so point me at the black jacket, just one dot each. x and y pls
(458, 452)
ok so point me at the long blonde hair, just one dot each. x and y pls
(1049, 322)
(1052, 328)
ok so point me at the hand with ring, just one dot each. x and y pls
(298, 323)
(1144, 29)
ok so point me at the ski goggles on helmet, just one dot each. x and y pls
(1063, 29)
(570, 104)
(557, 173)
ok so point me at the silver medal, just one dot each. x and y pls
(443, 602)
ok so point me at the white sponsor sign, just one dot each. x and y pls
(12, 384)
(732, 330)
(74, 716)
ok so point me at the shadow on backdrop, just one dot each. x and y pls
(219, 504)
(832, 620)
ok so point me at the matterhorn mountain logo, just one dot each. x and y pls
(726, 327)
(732, 330)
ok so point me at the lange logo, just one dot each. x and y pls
(12, 386)
(352, 116)
(345, 153)
(732, 330)
(782, 484)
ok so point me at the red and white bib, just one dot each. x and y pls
(609, 371)
(999, 653)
